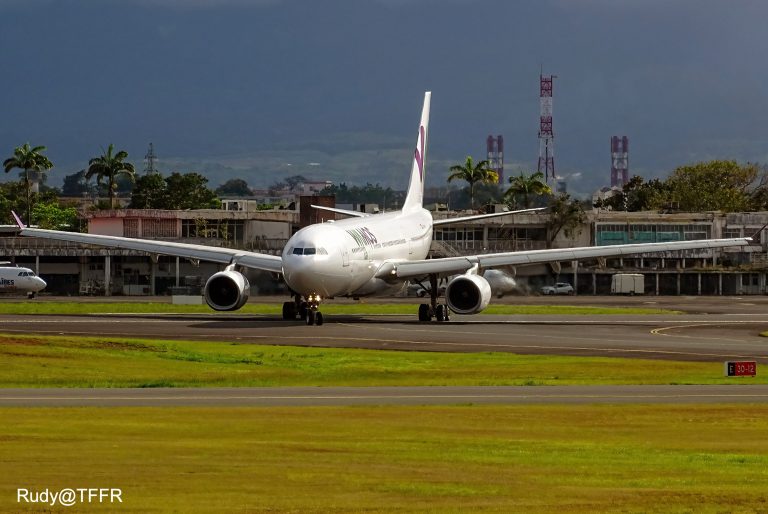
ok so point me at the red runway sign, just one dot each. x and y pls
(740, 368)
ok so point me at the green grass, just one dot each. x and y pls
(564, 459)
(84, 308)
(68, 361)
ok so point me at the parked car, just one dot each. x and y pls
(559, 288)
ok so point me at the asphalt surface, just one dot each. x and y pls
(343, 396)
(711, 329)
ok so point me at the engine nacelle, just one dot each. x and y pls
(468, 294)
(227, 290)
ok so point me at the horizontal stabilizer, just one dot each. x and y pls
(340, 211)
(448, 221)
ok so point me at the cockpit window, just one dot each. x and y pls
(21, 273)
(309, 251)
(31, 274)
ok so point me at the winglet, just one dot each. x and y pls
(18, 221)
(757, 233)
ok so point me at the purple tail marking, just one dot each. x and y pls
(419, 155)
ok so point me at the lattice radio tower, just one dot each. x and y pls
(546, 135)
(150, 160)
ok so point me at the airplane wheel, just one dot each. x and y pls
(447, 313)
(440, 313)
(310, 317)
(424, 312)
(303, 310)
(289, 310)
(319, 318)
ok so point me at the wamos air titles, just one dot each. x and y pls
(14, 279)
(366, 255)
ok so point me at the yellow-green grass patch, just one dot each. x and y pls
(272, 309)
(68, 361)
(629, 458)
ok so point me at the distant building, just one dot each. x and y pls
(311, 188)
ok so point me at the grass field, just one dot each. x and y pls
(636, 458)
(35, 308)
(65, 361)
(464, 458)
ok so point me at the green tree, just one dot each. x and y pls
(713, 186)
(108, 167)
(565, 214)
(177, 191)
(75, 184)
(525, 187)
(637, 195)
(52, 216)
(190, 191)
(150, 192)
(234, 187)
(28, 159)
(294, 180)
(473, 174)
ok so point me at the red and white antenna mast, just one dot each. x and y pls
(546, 135)
(619, 161)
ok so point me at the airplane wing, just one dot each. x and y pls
(254, 260)
(448, 221)
(454, 265)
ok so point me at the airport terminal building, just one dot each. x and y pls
(77, 269)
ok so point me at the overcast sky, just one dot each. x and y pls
(686, 80)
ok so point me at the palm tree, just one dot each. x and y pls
(527, 186)
(473, 174)
(28, 159)
(109, 167)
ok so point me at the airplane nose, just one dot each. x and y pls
(307, 274)
(40, 283)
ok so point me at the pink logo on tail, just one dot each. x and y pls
(419, 155)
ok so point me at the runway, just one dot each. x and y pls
(349, 396)
(692, 337)
(711, 329)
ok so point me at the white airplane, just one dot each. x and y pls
(14, 279)
(367, 255)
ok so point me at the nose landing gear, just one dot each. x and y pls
(314, 316)
(306, 310)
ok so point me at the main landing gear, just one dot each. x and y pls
(306, 310)
(430, 310)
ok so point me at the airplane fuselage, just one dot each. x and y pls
(345, 257)
(20, 280)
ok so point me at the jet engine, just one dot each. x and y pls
(227, 290)
(468, 294)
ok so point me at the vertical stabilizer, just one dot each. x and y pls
(413, 199)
